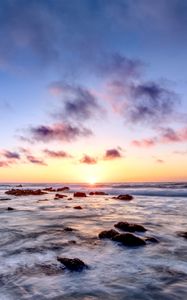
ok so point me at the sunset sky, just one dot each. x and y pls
(93, 90)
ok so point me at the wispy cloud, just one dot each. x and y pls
(86, 159)
(56, 154)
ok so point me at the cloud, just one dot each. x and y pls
(112, 154)
(160, 161)
(56, 154)
(32, 159)
(11, 155)
(78, 102)
(165, 136)
(4, 164)
(86, 159)
(59, 132)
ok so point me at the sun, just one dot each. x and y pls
(92, 180)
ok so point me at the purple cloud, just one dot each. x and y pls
(86, 159)
(58, 131)
(11, 155)
(112, 154)
(56, 154)
(35, 160)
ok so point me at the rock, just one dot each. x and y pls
(128, 239)
(77, 207)
(10, 208)
(79, 194)
(72, 264)
(97, 193)
(183, 234)
(70, 198)
(49, 189)
(125, 226)
(68, 229)
(124, 197)
(59, 196)
(108, 234)
(19, 186)
(17, 192)
(63, 189)
(151, 240)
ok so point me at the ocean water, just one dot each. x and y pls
(33, 235)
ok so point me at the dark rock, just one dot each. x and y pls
(68, 229)
(79, 194)
(77, 207)
(59, 196)
(70, 198)
(17, 192)
(125, 226)
(65, 188)
(124, 197)
(97, 193)
(19, 186)
(108, 234)
(10, 208)
(49, 189)
(151, 240)
(72, 264)
(129, 239)
(183, 234)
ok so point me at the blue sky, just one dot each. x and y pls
(93, 76)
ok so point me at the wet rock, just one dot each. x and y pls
(65, 188)
(59, 196)
(151, 240)
(182, 234)
(129, 239)
(70, 198)
(108, 234)
(5, 199)
(68, 229)
(10, 208)
(27, 192)
(126, 197)
(77, 207)
(19, 186)
(79, 194)
(97, 193)
(49, 189)
(72, 264)
(125, 226)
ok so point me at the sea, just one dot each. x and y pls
(35, 233)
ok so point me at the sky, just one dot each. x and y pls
(93, 90)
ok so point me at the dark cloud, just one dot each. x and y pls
(11, 155)
(34, 160)
(59, 131)
(56, 154)
(86, 159)
(77, 102)
(112, 154)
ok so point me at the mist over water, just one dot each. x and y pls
(33, 235)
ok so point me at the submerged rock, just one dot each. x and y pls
(79, 194)
(128, 239)
(68, 229)
(97, 193)
(10, 208)
(126, 197)
(77, 207)
(70, 198)
(125, 226)
(151, 240)
(182, 234)
(63, 189)
(72, 264)
(49, 189)
(27, 192)
(108, 234)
